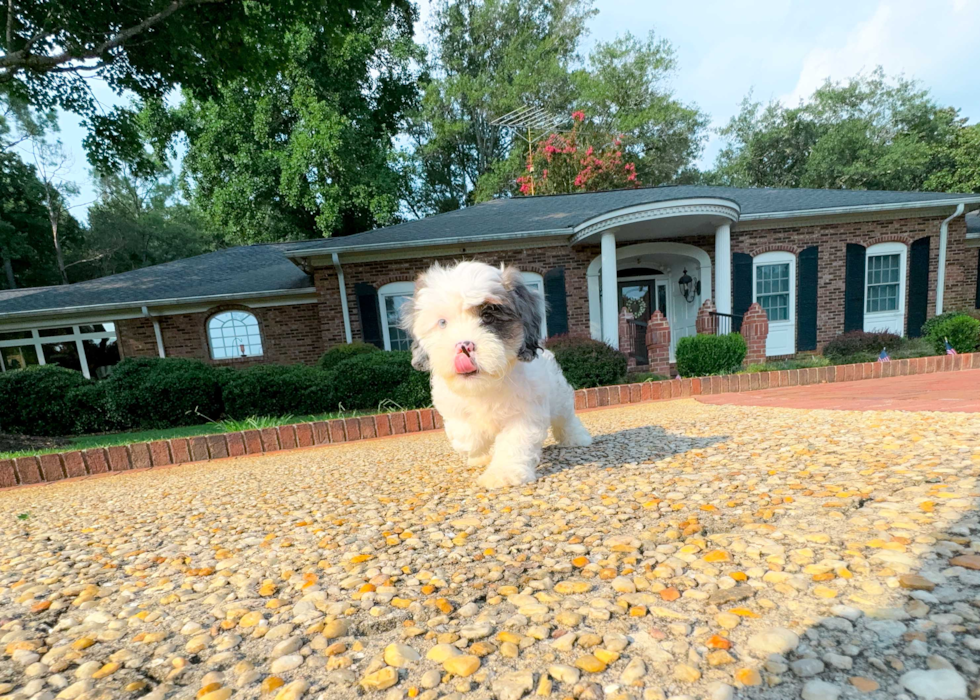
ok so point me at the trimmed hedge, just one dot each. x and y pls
(376, 380)
(276, 390)
(861, 343)
(703, 355)
(338, 353)
(149, 393)
(38, 400)
(962, 330)
(586, 362)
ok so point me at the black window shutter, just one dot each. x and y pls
(806, 299)
(918, 286)
(741, 287)
(854, 288)
(555, 301)
(976, 303)
(367, 310)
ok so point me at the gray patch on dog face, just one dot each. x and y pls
(406, 319)
(527, 308)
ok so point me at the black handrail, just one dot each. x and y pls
(727, 323)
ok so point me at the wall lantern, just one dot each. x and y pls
(690, 287)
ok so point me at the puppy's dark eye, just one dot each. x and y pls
(487, 317)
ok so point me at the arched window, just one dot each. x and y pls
(234, 334)
(884, 290)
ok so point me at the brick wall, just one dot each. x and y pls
(832, 240)
(290, 334)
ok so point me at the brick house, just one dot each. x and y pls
(819, 262)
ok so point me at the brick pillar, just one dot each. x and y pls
(706, 324)
(755, 330)
(658, 344)
(627, 337)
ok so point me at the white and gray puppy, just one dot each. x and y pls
(475, 328)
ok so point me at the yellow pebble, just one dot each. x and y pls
(463, 665)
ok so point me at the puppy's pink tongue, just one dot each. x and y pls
(463, 364)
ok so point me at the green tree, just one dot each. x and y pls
(51, 49)
(487, 58)
(307, 152)
(869, 132)
(624, 89)
(136, 222)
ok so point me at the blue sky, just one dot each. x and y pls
(780, 49)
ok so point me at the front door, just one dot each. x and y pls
(641, 297)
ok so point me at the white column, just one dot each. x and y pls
(723, 269)
(610, 293)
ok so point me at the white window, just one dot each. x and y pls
(884, 289)
(774, 289)
(390, 299)
(535, 282)
(392, 296)
(234, 334)
(90, 348)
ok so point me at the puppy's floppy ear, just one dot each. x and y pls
(406, 319)
(527, 304)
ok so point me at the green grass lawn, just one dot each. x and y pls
(83, 442)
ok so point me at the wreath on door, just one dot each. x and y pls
(637, 307)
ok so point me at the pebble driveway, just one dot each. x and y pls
(694, 551)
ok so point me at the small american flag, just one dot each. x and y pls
(950, 350)
(883, 356)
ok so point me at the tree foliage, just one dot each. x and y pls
(308, 151)
(489, 57)
(869, 132)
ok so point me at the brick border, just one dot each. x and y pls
(22, 471)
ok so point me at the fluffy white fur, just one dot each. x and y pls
(499, 415)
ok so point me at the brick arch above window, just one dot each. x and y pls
(775, 248)
(404, 277)
(889, 238)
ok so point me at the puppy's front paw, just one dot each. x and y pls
(498, 478)
(479, 461)
(577, 439)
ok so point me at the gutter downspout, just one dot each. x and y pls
(156, 332)
(343, 296)
(943, 237)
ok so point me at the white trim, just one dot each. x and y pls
(217, 316)
(943, 239)
(76, 336)
(655, 210)
(535, 280)
(891, 321)
(635, 250)
(723, 269)
(782, 334)
(392, 289)
(343, 297)
(860, 209)
(608, 261)
(423, 243)
(156, 332)
(175, 301)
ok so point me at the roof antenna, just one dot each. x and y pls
(525, 122)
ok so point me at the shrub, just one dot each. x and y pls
(338, 353)
(36, 400)
(370, 380)
(701, 355)
(277, 390)
(963, 332)
(936, 320)
(586, 362)
(90, 405)
(149, 393)
(861, 343)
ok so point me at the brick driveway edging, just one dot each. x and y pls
(143, 455)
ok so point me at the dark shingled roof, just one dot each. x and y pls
(267, 268)
(244, 270)
(562, 212)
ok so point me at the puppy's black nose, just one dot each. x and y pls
(465, 346)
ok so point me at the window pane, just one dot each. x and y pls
(98, 328)
(101, 356)
(51, 332)
(19, 357)
(62, 354)
(884, 278)
(15, 335)
(234, 334)
(397, 338)
(772, 290)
